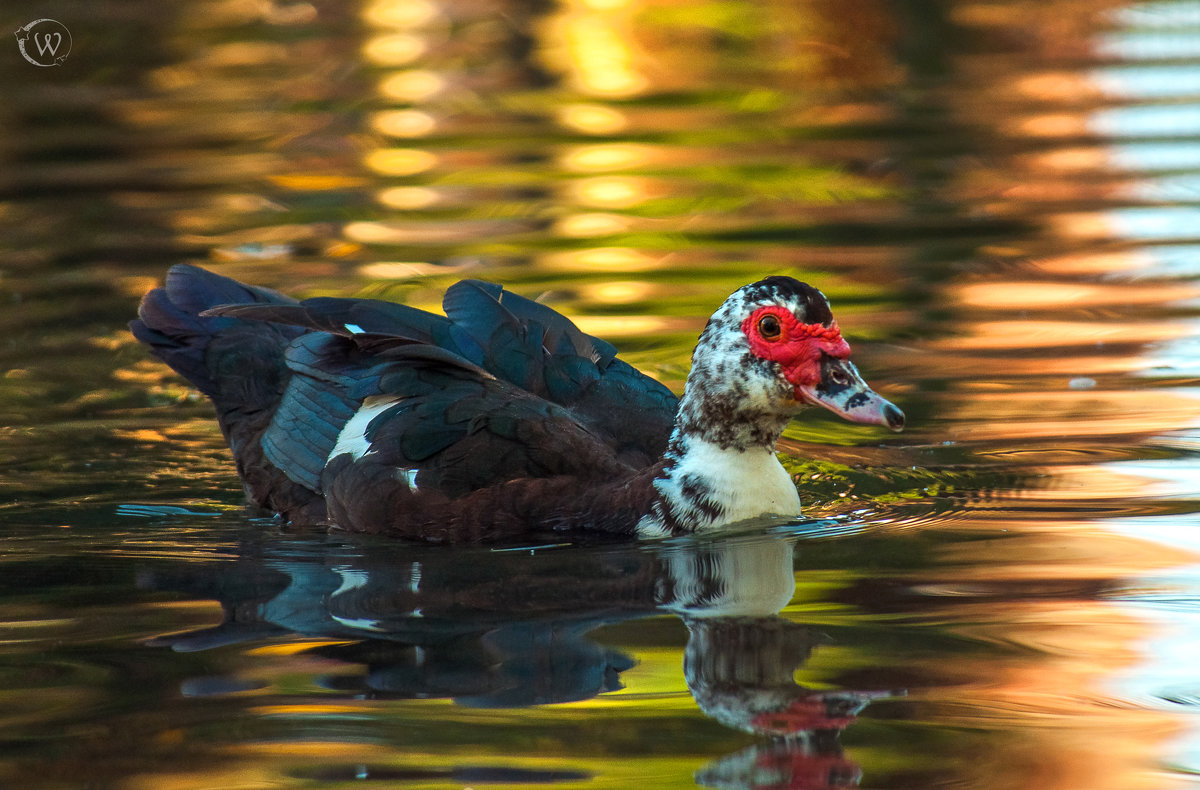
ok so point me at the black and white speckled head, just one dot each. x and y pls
(769, 349)
(772, 347)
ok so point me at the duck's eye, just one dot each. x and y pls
(769, 327)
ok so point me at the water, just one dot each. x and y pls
(1000, 200)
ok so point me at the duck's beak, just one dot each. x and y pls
(842, 390)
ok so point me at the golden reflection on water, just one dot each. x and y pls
(1079, 312)
(1011, 255)
(596, 47)
(1037, 598)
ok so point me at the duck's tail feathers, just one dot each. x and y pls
(171, 322)
(239, 364)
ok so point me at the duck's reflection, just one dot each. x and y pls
(503, 628)
(741, 671)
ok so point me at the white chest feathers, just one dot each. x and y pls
(707, 486)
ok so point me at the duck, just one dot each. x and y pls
(501, 420)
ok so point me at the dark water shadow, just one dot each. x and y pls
(516, 627)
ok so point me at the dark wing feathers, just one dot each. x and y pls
(555, 332)
(459, 425)
(475, 306)
(533, 346)
(499, 388)
(305, 428)
(513, 338)
(509, 347)
(432, 355)
(464, 434)
(194, 290)
(293, 314)
(238, 364)
(171, 322)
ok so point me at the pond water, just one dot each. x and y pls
(1000, 200)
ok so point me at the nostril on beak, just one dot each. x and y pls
(894, 417)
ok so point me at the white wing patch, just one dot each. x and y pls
(409, 476)
(353, 438)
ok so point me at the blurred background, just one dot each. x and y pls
(999, 199)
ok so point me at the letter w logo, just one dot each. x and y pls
(44, 45)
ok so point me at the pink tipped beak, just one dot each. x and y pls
(843, 391)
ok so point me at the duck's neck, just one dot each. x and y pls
(719, 467)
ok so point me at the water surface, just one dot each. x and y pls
(1000, 200)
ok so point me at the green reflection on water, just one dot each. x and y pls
(930, 168)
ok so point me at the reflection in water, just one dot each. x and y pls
(1000, 197)
(1113, 166)
(742, 673)
(1158, 107)
(512, 628)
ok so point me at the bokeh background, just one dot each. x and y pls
(999, 198)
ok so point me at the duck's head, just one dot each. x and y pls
(774, 347)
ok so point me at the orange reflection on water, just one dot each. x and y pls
(1052, 125)
(611, 259)
(395, 49)
(1017, 334)
(607, 156)
(1083, 225)
(1026, 296)
(401, 161)
(1055, 87)
(979, 373)
(1122, 262)
(409, 198)
(432, 232)
(1024, 548)
(593, 118)
(414, 85)
(400, 14)
(991, 416)
(1122, 484)
(628, 325)
(400, 270)
(404, 123)
(1059, 738)
(613, 191)
(592, 225)
(1067, 159)
(1039, 588)
(620, 291)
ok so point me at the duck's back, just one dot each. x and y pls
(398, 420)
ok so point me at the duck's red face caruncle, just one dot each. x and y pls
(815, 361)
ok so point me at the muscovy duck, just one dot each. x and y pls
(501, 419)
